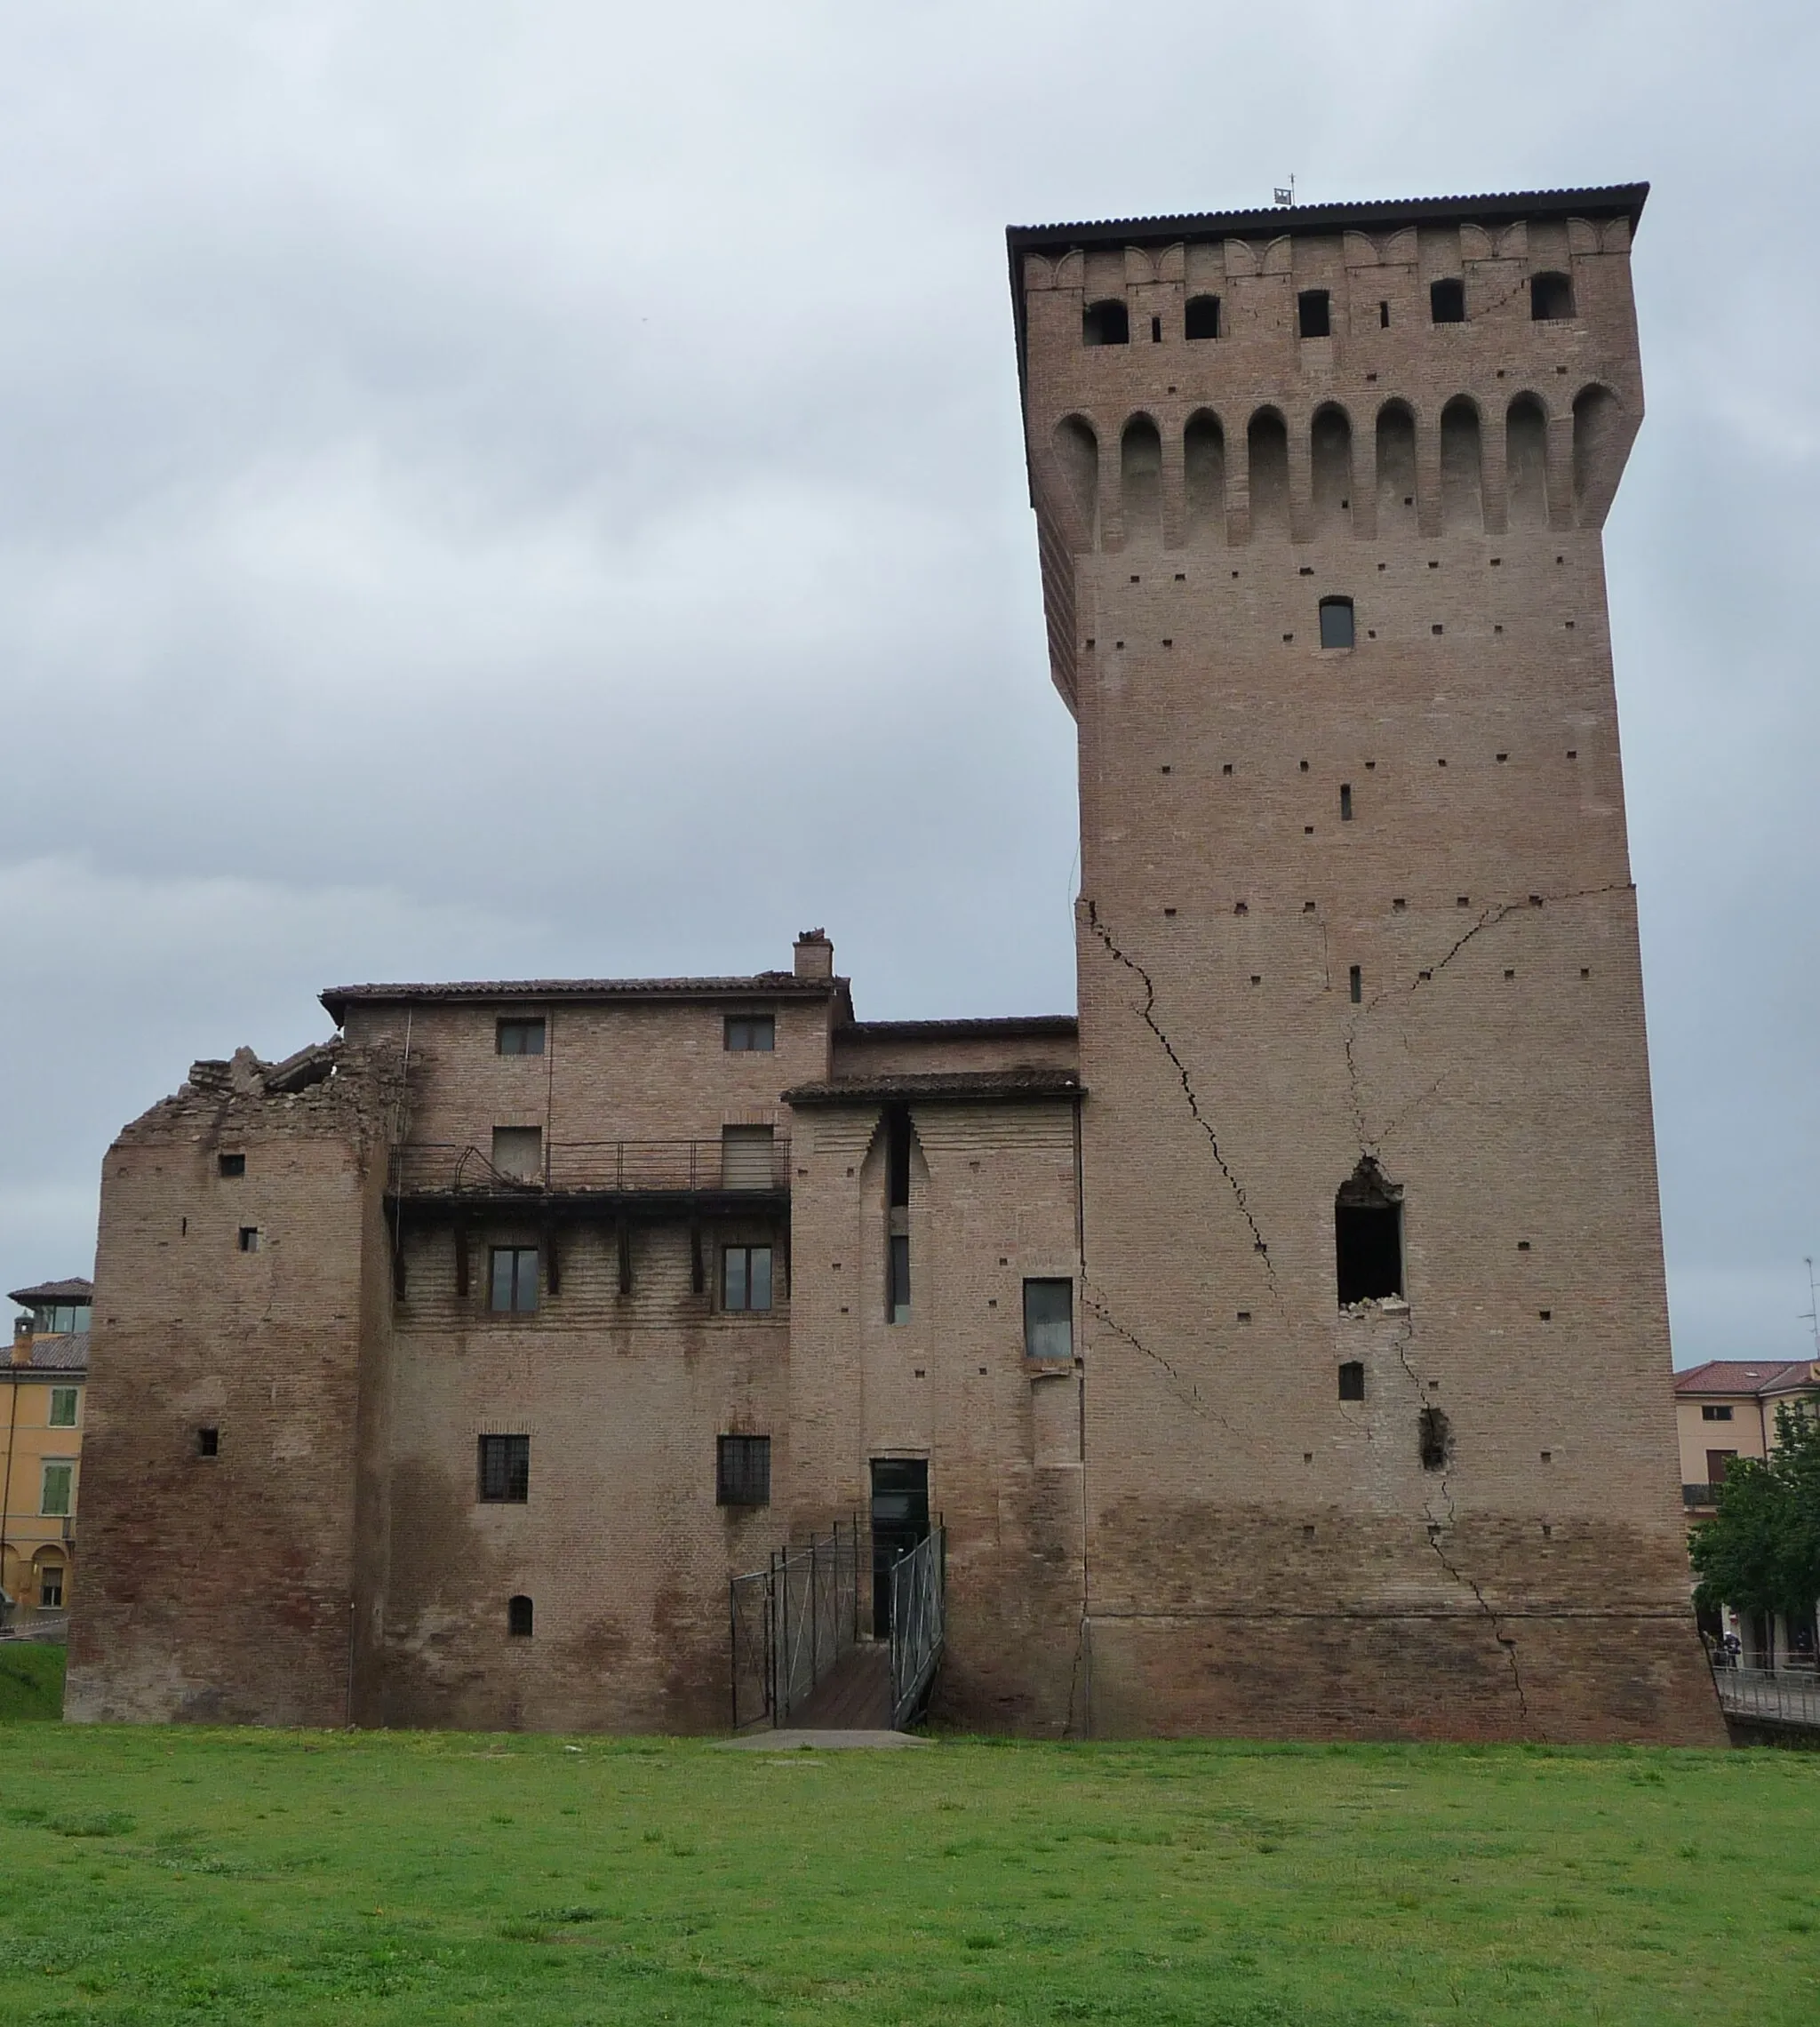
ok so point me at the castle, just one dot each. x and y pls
(1283, 1344)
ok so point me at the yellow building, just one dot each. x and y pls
(41, 1449)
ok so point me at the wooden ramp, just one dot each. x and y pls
(855, 1694)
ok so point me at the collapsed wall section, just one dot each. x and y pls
(239, 1325)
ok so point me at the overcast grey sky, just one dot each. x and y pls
(501, 491)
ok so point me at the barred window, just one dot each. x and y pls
(505, 1469)
(746, 1277)
(743, 1471)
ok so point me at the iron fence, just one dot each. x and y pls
(578, 1167)
(790, 1623)
(919, 1613)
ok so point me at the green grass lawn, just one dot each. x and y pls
(31, 1681)
(185, 1875)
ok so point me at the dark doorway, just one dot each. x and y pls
(899, 1520)
(1367, 1235)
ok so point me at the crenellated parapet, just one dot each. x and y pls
(1371, 373)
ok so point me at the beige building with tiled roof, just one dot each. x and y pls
(45, 1381)
(1726, 1408)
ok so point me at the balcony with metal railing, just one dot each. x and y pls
(613, 1177)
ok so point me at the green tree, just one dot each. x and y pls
(1760, 1551)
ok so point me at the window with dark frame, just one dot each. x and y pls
(518, 1618)
(1201, 317)
(1313, 313)
(230, 1164)
(1048, 1320)
(249, 1238)
(1336, 622)
(49, 1586)
(743, 1471)
(1105, 322)
(208, 1442)
(519, 1037)
(1709, 1412)
(1353, 1380)
(749, 1033)
(511, 1287)
(505, 1470)
(1446, 301)
(745, 1278)
(1551, 298)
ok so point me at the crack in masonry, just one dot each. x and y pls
(1186, 1389)
(1188, 1091)
(1438, 1528)
(1074, 1675)
(1492, 916)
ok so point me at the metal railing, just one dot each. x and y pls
(790, 1623)
(919, 1623)
(610, 1167)
(1696, 1495)
(1767, 1696)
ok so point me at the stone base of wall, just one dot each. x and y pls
(1588, 1680)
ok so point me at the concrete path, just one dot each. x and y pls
(822, 1741)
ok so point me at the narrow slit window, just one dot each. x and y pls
(1049, 1320)
(1446, 301)
(1384, 316)
(1105, 323)
(898, 1134)
(1201, 320)
(897, 1293)
(1156, 330)
(1337, 623)
(505, 1470)
(519, 1038)
(1355, 985)
(1313, 314)
(1353, 1380)
(743, 1471)
(1345, 801)
(518, 1618)
(1368, 1228)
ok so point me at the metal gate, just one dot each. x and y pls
(790, 1622)
(919, 1627)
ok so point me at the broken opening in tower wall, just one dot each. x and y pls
(1368, 1231)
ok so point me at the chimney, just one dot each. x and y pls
(815, 955)
(21, 1340)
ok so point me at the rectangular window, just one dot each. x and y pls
(743, 1471)
(519, 1038)
(1049, 1320)
(1353, 1380)
(208, 1442)
(51, 1586)
(231, 1164)
(249, 1238)
(59, 1476)
(1709, 1413)
(746, 1277)
(1311, 314)
(63, 1406)
(1336, 622)
(513, 1288)
(747, 1157)
(505, 1469)
(1716, 1463)
(748, 1032)
(518, 1152)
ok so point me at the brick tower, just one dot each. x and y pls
(1377, 1433)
